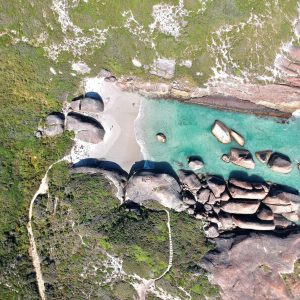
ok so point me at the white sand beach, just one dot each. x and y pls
(120, 111)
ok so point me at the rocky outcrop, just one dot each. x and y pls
(161, 137)
(246, 266)
(280, 163)
(240, 193)
(263, 156)
(92, 105)
(237, 137)
(164, 68)
(86, 128)
(241, 157)
(241, 206)
(147, 185)
(221, 132)
(217, 185)
(195, 163)
(190, 181)
(54, 124)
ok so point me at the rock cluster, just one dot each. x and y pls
(225, 205)
(85, 127)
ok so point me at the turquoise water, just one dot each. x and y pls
(188, 131)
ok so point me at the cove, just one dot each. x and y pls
(188, 131)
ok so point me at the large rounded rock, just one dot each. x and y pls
(54, 124)
(217, 185)
(263, 156)
(195, 163)
(86, 128)
(189, 180)
(280, 163)
(241, 207)
(147, 185)
(242, 158)
(221, 132)
(88, 105)
(161, 137)
(237, 137)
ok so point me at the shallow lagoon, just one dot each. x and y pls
(188, 131)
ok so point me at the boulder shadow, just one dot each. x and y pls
(155, 167)
(93, 95)
(242, 175)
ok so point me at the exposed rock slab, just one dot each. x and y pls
(247, 222)
(164, 68)
(247, 266)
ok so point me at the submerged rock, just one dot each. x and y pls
(221, 132)
(263, 156)
(237, 137)
(86, 128)
(161, 137)
(280, 163)
(240, 193)
(149, 185)
(242, 158)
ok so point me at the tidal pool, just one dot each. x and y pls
(188, 131)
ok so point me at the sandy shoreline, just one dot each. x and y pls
(120, 111)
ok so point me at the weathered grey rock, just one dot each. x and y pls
(189, 201)
(249, 266)
(265, 214)
(261, 186)
(263, 156)
(225, 220)
(292, 216)
(54, 124)
(279, 197)
(251, 223)
(237, 137)
(281, 222)
(242, 158)
(86, 128)
(190, 211)
(212, 199)
(164, 68)
(216, 209)
(240, 193)
(163, 188)
(87, 104)
(195, 164)
(280, 209)
(224, 196)
(280, 163)
(199, 217)
(105, 73)
(221, 132)
(161, 137)
(217, 185)
(203, 196)
(243, 207)
(190, 180)
(241, 183)
(225, 158)
(211, 230)
(207, 207)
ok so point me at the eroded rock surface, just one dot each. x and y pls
(86, 128)
(147, 185)
(248, 266)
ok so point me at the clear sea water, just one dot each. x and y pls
(188, 131)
